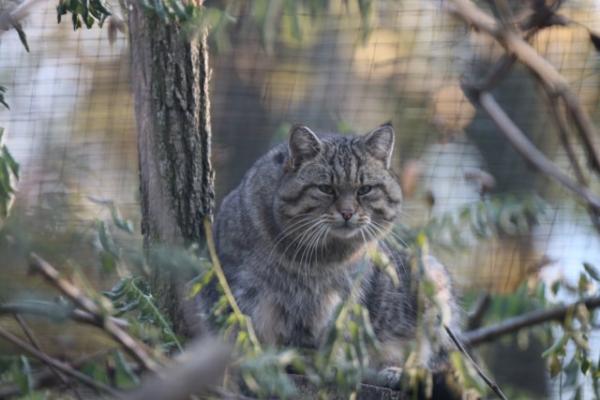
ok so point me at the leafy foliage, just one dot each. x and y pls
(570, 358)
(340, 365)
(131, 296)
(84, 12)
(270, 17)
(498, 216)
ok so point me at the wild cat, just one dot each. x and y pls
(293, 236)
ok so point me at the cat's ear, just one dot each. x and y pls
(380, 143)
(304, 145)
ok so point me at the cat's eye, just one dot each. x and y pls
(364, 190)
(327, 189)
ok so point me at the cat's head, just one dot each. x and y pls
(339, 187)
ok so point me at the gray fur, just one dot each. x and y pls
(290, 256)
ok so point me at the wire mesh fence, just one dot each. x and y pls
(71, 121)
(71, 124)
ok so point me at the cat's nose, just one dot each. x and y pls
(346, 214)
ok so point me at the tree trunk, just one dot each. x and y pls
(170, 83)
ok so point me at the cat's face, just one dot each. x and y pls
(339, 187)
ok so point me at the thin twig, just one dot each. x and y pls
(511, 325)
(531, 153)
(555, 88)
(495, 388)
(135, 348)
(479, 309)
(16, 14)
(210, 243)
(62, 367)
(44, 378)
(31, 336)
(534, 24)
(555, 82)
(56, 312)
(563, 134)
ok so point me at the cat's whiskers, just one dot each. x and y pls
(295, 236)
(320, 247)
(371, 232)
(292, 224)
(389, 232)
(307, 251)
(303, 247)
(299, 240)
(322, 235)
(362, 234)
(304, 221)
(309, 248)
(379, 231)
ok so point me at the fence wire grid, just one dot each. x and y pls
(72, 129)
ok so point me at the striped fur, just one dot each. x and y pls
(289, 253)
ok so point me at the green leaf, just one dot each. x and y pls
(85, 12)
(3, 102)
(592, 271)
(365, 9)
(126, 377)
(108, 262)
(585, 365)
(159, 8)
(22, 35)
(12, 164)
(584, 284)
(121, 223)
(291, 8)
(106, 240)
(555, 366)
(558, 348)
(555, 287)
(26, 370)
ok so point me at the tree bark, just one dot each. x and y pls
(170, 76)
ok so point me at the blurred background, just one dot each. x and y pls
(71, 127)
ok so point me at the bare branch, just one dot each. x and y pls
(540, 19)
(531, 153)
(563, 134)
(46, 377)
(476, 315)
(136, 349)
(60, 366)
(555, 82)
(15, 14)
(31, 336)
(212, 250)
(55, 311)
(495, 388)
(511, 325)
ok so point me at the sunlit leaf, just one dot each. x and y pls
(555, 366)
